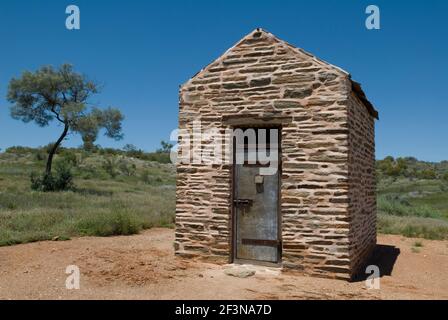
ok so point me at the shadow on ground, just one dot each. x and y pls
(384, 257)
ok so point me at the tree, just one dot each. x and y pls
(90, 125)
(133, 151)
(166, 147)
(129, 148)
(393, 167)
(63, 95)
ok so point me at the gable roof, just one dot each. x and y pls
(355, 86)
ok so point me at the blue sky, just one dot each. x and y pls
(141, 51)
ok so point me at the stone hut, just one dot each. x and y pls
(317, 213)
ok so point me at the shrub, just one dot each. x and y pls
(69, 157)
(427, 174)
(49, 146)
(40, 155)
(43, 182)
(61, 180)
(110, 151)
(19, 150)
(110, 224)
(64, 176)
(110, 166)
(126, 168)
(132, 151)
(145, 177)
(90, 172)
(158, 157)
(418, 244)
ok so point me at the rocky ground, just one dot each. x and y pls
(144, 267)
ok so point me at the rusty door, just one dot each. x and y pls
(256, 201)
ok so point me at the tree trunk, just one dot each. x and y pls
(54, 148)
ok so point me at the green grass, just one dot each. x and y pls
(141, 195)
(403, 207)
(418, 244)
(413, 207)
(99, 205)
(413, 227)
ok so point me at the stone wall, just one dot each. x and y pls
(263, 80)
(362, 193)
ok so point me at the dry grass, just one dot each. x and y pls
(99, 206)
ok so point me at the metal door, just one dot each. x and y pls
(256, 214)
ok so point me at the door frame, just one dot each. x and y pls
(233, 217)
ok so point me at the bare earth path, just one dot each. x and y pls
(144, 267)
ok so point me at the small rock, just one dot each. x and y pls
(239, 272)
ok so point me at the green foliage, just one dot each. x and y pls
(127, 168)
(37, 181)
(147, 178)
(418, 244)
(69, 157)
(89, 125)
(49, 147)
(401, 207)
(445, 177)
(129, 148)
(61, 180)
(40, 155)
(131, 151)
(18, 150)
(98, 206)
(110, 151)
(110, 224)
(413, 203)
(157, 157)
(433, 229)
(427, 174)
(166, 147)
(391, 167)
(63, 177)
(110, 166)
(142, 194)
(411, 168)
(63, 95)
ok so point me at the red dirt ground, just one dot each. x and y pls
(144, 267)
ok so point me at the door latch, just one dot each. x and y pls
(243, 202)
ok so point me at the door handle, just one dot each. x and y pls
(243, 202)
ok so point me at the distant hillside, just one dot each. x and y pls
(412, 168)
(412, 197)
